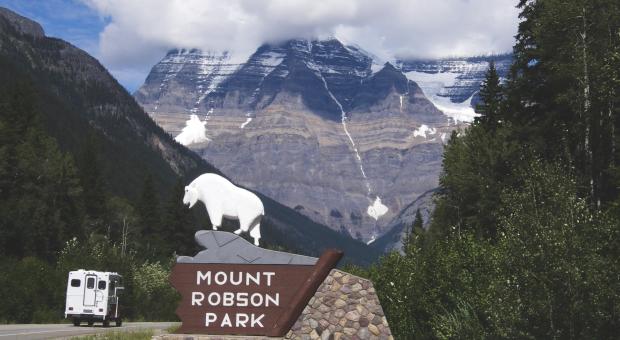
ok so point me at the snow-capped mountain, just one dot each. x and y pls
(320, 126)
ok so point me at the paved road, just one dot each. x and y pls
(37, 331)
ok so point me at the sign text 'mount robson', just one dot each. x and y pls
(247, 299)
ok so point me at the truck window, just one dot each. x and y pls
(75, 282)
(90, 283)
(101, 285)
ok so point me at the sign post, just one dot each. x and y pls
(234, 287)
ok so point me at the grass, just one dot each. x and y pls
(173, 329)
(115, 335)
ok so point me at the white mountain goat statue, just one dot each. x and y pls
(224, 199)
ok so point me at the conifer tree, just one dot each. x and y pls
(148, 209)
(178, 222)
(40, 204)
(92, 181)
(559, 97)
(490, 99)
(414, 235)
(418, 222)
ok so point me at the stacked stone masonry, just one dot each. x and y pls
(344, 307)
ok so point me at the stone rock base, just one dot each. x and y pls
(344, 307)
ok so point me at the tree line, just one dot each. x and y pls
(524, 239)
(57, 214)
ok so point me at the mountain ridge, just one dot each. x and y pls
(323, 113)
(82, 98)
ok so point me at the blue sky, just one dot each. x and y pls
(69, 20)
(129, 36)
(77, 23)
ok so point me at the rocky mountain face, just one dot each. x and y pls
(22, 24)
(318, 125)
(79, 100)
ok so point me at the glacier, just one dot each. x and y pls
(433, 85)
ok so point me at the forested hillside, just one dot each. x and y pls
(525, 239)
(88, 180)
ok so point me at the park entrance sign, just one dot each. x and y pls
(234, 287)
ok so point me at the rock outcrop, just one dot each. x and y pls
(21, 24)
(225, 247)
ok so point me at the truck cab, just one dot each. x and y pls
(93, 296)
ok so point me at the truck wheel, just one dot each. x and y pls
(91, 322)
(76, 322)
(119, 322)
(106, 323)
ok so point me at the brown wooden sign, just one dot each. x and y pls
(246, 299)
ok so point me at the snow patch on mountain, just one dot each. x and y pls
(195, 131)
(375, 67)
(247, 121)
(424, 131)
(271, 59)
(377, 209)
(213, 69)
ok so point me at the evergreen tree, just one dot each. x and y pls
(415, 235)
(490, 99)
(148, 207)
(477, 166)
(418, 222)
(149, 218)
(93, 185)
(40, 205)
(559, 96)
(91, 179)
(559, 103)
(178, 225)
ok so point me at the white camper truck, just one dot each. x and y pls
(93, 296)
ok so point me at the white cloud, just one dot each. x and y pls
(140, 31)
